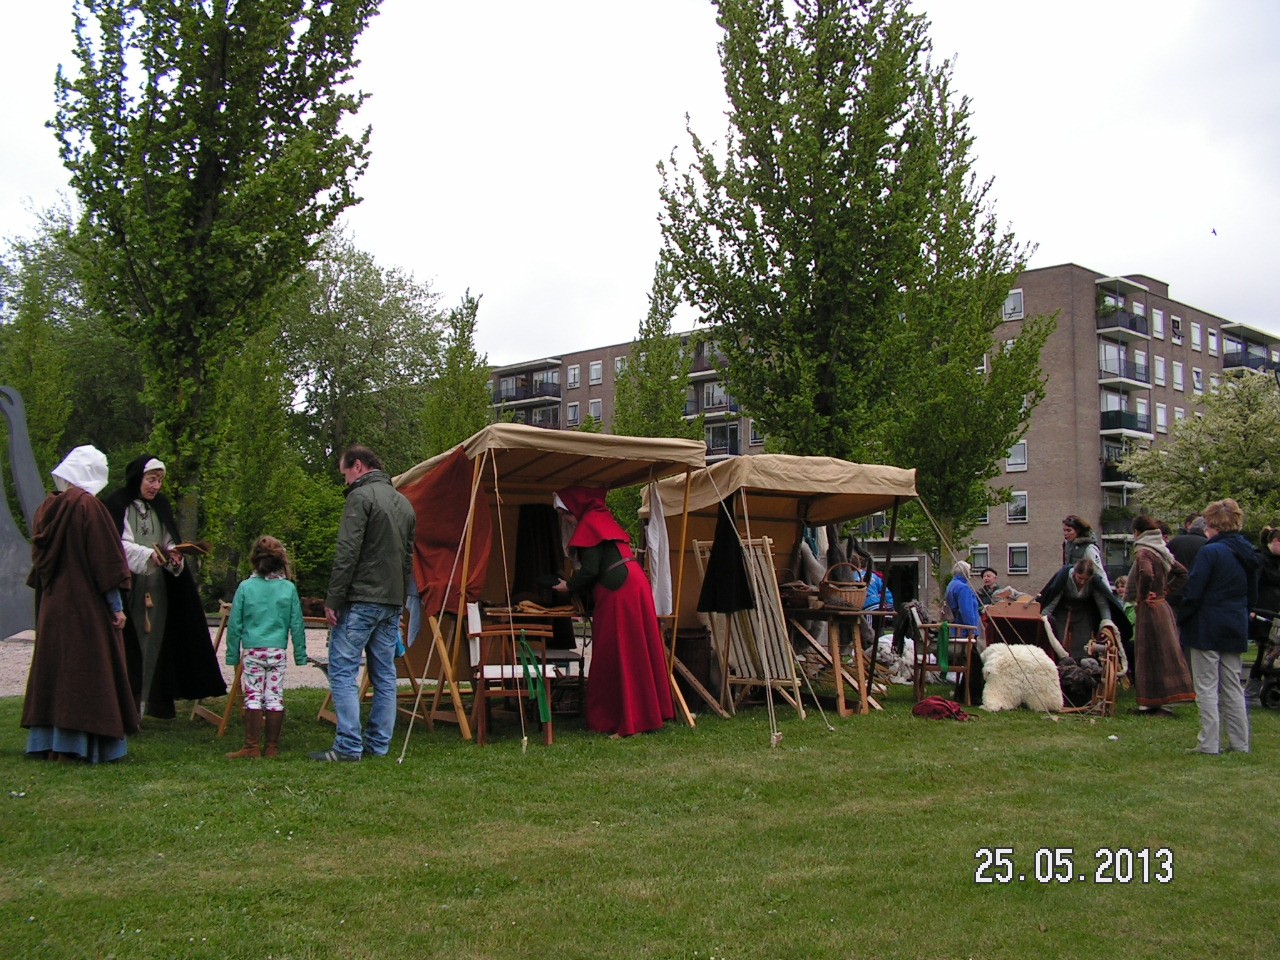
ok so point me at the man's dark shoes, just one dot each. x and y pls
(333, 756)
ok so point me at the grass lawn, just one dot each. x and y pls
(701, 843)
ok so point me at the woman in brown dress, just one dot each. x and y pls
(1161, 674)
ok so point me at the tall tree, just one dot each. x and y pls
(1226, 452)
(839, 227)
(649, 398)
(363, 342)
(206, 143)
(460, 401)
(53, 345)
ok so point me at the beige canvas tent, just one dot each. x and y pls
(782, 494)
(502, 467)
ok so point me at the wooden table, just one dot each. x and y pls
(836, 616)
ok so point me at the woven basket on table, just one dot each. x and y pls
(847, 596)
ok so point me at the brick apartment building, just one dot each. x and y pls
(1124, 364)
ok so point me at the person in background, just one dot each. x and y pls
(1268, 606)
(372, 563)
(79, 704)
(964, 609)
(879, 596)
(628, 689)
(991, 591)
(167, 632)
(1078, 544)
(1161, 675)
(1214, 617)
(266, 611)
(1184, 548)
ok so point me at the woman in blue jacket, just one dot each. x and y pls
(1214, 620)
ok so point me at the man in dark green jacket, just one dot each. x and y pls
(371, 566)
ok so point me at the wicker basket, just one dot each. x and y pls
(847, 596)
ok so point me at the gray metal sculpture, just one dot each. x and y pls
(17, 601)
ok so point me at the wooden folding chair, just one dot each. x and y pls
(929, 638)
(506, 659)
(234, 694)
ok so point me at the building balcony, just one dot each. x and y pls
(1241, 360)
(1124, 373)
(1122, 421)
(723, 448)
(522, 392)
(1111, 473)
(704, 363)
(1124, 324)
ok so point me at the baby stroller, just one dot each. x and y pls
(1265, 674)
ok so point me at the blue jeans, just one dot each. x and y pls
(372, 629)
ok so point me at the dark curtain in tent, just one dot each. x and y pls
(539, 562)
(725, 588)
(441, 501)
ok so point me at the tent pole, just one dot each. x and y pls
(888, 565)
(461, 617)
(676, 695)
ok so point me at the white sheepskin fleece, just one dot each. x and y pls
(1017, 674)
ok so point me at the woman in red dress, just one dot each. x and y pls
(628, 690)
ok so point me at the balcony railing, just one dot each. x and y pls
(723, 448)
(1123, 320)
(526, 392)
(1126, 369)
(1111, 473)
(1237, 359)
(1124, 420)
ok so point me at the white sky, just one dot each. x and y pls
(515, 144)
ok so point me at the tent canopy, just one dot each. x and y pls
(815, 490)
(533, 462)
(778, 494)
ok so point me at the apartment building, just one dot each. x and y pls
(1125, 363)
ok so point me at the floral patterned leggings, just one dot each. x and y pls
(262, 678)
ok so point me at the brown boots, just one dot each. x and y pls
(254, 723)
(274, 721)
(252, 736)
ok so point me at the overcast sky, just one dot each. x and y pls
(515, 144)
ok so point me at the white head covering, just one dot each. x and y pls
(153, 464)
(85, 467)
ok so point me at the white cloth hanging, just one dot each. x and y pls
(658, 550)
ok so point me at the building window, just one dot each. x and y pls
(1013, 305)
(1213, 341)
(1139, 309)
(1162, 418)
(572, 376)
(1019, 558)
(596, 408)
(1175, 329)
(1197, 380)
(618, 364)
(713, 396)
(757, 438)
(1016, 461)
(1140, 371)
(1157, 371)
(571, 416)
(1018, 507)
(1142, 407)
(981, 369)
(1196, 342)
(1157, 323)
(979, 556)
(722, 438)
(596, 371)
(985, 518)
(1179, 414)
(1214, 382)
(1177, 375)
(1009, 345)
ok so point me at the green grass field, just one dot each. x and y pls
(702, 843)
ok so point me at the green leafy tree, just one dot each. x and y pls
(842, 251)
(1227, 452)
(53, 349)
(207, 143)
(363, 343)
(459, 402)
(649, 398)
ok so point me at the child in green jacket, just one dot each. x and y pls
(264, 614)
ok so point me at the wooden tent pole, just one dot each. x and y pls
(864, 706)
(676, 695)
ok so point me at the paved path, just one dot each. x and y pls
(15, 661)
